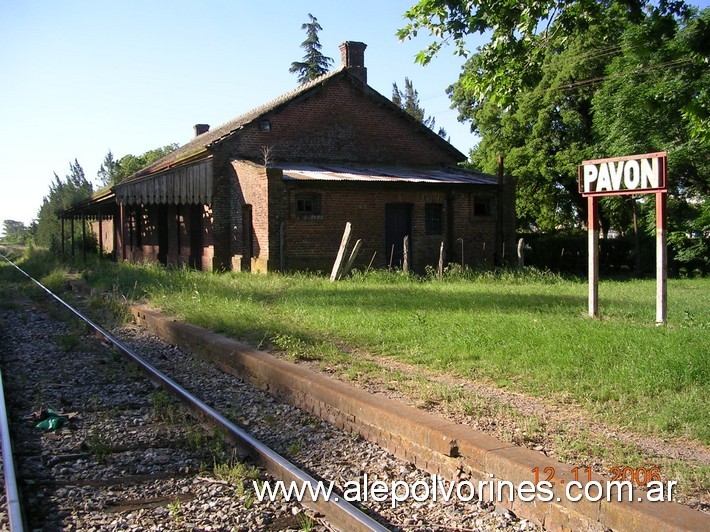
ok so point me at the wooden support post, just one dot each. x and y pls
(337, 266)
(593, 261)
(121, 230)
(441, 261)
(351, 260)
(405, 254)
(101, 235)
(661, 257)
(282, 246)
(83, 236)
(72, 235)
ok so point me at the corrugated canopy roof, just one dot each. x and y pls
(377, 173)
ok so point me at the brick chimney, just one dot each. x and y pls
(352, 54)
(201, 128)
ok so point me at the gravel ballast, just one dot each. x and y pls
(127, 461)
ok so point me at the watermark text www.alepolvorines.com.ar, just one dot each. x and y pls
(436, 489)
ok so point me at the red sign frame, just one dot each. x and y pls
(662, 178)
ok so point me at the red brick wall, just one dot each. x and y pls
(341, 121)
(149, 248)
(313, 244)
(107, 235)
(253, 189)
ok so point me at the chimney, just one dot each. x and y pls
(353, 58)
(201, 128)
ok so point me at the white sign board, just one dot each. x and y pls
(636, 174)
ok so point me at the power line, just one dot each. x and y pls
(640, 70)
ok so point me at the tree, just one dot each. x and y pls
(521, 33)
(661, 82)
(14, 232)
(110, 171)
(62, 194)
(314, 63)
(130, 164)
(408, 100)
(113, 171)
(532, 92)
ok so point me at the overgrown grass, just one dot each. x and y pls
(525, 331)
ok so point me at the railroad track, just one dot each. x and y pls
(113, 416)
(130, 458)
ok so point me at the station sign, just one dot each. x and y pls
(634, 174)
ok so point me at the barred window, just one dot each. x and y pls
(433, 224)
(309, 206)
(482, 207)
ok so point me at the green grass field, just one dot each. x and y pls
(525, 331)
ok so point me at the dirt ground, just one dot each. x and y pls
(562, 430)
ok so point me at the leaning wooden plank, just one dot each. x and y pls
(341, 252)
(405, 254)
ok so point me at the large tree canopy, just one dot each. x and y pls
(521, 33)
(563, 81)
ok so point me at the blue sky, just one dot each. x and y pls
(80, 77)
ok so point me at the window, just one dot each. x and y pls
(482, 206)
(309, 207)
(433, 224)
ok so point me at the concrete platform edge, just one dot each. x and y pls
(440, 446)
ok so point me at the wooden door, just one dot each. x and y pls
(398, 224)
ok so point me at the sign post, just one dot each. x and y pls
(593, 260)
(661, 257)
(634, 174)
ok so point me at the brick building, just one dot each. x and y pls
(274, 188)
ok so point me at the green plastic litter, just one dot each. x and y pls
(53, 421)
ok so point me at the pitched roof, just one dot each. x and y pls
(197, 148)
(198, 145)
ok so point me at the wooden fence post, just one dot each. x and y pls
(405, 254)
(341, 252)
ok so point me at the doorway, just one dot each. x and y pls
(398, 224)
(247, 237)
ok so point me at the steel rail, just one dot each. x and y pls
(12, 493)
(337, 511)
